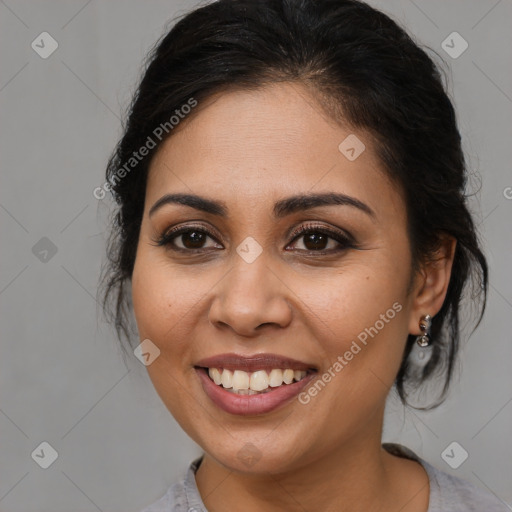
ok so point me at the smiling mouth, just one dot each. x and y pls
(258, 382)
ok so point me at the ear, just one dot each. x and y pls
(431, 283)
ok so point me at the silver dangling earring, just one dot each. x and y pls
(423, 340)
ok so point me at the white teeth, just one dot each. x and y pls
(240, 380)
(243, 391)
(227, 379)
(244, 383)
(259, 380)
(275, 378)
(215, 375)
(288, 376)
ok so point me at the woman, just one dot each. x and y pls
(293, 227)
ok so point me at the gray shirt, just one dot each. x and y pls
(447, 493)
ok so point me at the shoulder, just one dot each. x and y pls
(183, 496)
(449, 493)
(167, 502)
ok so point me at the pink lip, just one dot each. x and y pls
(251, 404)
(253, 363)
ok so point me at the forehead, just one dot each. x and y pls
(253, 147)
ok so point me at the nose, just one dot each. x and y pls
(250, 297)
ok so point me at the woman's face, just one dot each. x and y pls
(340, 309)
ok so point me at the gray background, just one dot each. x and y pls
(63, 379)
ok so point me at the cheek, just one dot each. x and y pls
(362, 312)
(162, 297)
(152, 303)
(161, 302)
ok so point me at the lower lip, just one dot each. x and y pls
(246, 405)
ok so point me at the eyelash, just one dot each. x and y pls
(345, 240)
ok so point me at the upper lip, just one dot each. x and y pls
(253, 363)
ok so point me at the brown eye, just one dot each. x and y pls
(187, 238)
(317, 239)
(193, 239)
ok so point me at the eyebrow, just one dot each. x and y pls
(282, 208)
